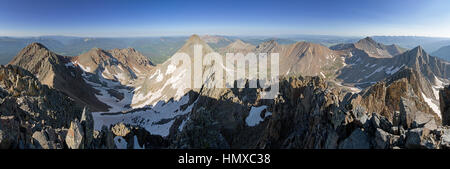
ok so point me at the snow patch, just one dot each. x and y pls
(343, 60)
(69, 64)
(322, 75)
(86, 69)
(136, 144)
(170, 69)
(254, 116)
(120, 142)
(391, 70)
(160, 77)
(438, 84)
(432, 105)
(376, 71)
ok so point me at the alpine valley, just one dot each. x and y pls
(356, 95)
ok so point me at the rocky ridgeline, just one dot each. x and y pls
(310, 114)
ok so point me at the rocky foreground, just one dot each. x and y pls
(309, 113)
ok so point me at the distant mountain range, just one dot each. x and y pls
(443, 52)
(354, 95)
(159, 49)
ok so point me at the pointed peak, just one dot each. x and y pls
(194, 37)
(367, 40)
(239, 44)
(131, 49)
(417, 51)
(303, 43)
(238, 41)
(267, 45)
(36, 45)
(32, 56)
(271, 41)
(418, 48)
(189, 45)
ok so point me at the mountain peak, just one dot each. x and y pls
(417, 51)
(270, 42)
(36, 45)
(238, 46)
(267, 46)
(419, 48)
(238, 41)
(34, 52)
(194, 38)
(96, 53)
(188, 46)
(367, 40)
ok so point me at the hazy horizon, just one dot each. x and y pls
(118, 18)
(281, 36)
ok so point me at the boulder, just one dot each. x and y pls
(41, 140)
(357, 140)
(420, 138)
(360, 115)
(385, 140)
(411, 117)
(103, 139)
(75, 135)
(445, 139)
(120, 130)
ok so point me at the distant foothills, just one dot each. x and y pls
(159, 49)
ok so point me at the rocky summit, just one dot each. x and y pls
(362, 95)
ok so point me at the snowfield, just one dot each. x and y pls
(157, 120)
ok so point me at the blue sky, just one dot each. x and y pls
(113, 18)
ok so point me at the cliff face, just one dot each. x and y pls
(385, 97)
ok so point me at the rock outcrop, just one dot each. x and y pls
(34, 115)
(444, 96)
